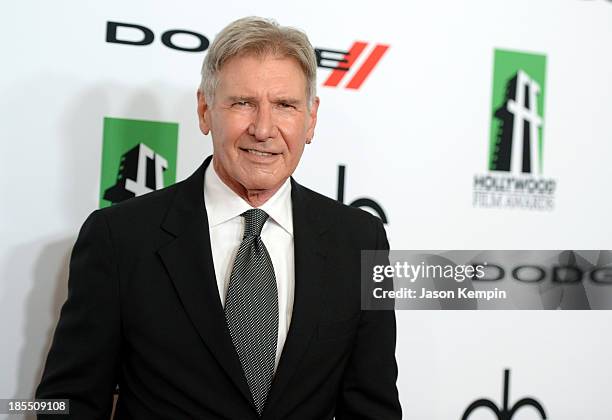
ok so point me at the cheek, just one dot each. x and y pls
(295, 137)
(295, 153)
(228, 132)
(296, 144)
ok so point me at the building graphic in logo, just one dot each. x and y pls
(505, 413)
(345, 63)
(518, 101)
(516, 142)
(137, 157)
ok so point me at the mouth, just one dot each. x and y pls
(259, 152)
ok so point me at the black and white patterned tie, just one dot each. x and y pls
(251, 308)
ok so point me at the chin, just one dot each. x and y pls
(262, 183)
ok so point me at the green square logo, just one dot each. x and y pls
(517, 125)
(137, 157)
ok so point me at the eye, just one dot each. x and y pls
(241, 104)
(285, 105)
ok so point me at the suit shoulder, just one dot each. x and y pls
(152, 205)
(341, 213)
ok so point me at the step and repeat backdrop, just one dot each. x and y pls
(475, 124)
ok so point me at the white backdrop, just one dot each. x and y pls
(412, 137)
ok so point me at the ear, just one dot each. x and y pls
(203, 114)
(313, 119)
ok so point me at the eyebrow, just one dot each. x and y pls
(241, 98)
(280, 99)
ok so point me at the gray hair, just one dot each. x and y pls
(259, 36)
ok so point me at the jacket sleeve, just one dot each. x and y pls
(83, 361)
(368, 389)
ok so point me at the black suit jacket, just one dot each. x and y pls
(143, 311)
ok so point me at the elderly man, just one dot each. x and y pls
(234, 294)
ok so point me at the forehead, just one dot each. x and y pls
(252, 74)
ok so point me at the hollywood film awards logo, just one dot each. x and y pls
(505, 412)
(516, 146)
(137, 157)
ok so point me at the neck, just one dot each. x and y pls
(255, 197)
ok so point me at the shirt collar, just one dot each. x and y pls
(223, 204)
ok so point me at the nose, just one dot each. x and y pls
(263, 126)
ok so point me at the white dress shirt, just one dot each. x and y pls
(226, 228)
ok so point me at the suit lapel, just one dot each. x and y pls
(188, 259)
(310, 256)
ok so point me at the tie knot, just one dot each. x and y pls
(254, 221)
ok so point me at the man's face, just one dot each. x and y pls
(259, 121)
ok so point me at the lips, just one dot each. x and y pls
(259, 152)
